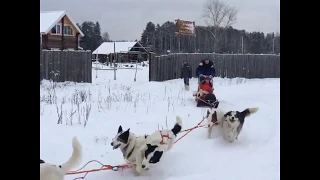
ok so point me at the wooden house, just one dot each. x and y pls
(58, 31)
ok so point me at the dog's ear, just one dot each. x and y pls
(120, 129)
(125, 135)
(208, 113)
(227, 114)
(214, 117)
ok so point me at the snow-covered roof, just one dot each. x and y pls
(48, 19)
(107, 47)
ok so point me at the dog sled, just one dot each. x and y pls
(207, 103)
(205, 98)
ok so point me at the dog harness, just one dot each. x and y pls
(163, 136)
(130, 153)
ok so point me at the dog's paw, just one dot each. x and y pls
(139, 170)
(135, 172)
(231, 139)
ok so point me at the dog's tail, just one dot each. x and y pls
(247, 112)
(178, 126)
(75, 157)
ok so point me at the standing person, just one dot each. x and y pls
(205, 68)
(186, 74)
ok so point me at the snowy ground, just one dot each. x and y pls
(93, 112)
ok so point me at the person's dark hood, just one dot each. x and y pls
(207, 65)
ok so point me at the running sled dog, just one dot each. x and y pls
(129, 144)
(52, 172)
(141, 151)
(231, 122)
(158, 143)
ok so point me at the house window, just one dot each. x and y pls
(68, 30)
(56, 29)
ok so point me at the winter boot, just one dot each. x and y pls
(187, 87)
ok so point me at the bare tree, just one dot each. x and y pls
(105, 37)
(218, 13)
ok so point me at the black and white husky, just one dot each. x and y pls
(52, 172)
(233, 123)
(129, 144)
(230, 122)
(156, 144)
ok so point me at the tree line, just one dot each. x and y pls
(162, 38)
(218, 36)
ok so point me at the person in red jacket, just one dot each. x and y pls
(208, 98)
(206, 85)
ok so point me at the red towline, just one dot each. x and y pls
(125, 166)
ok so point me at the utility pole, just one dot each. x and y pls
(114, 61)
(242, 45)
(179, 42)
(273, 45)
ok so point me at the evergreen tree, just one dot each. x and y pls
(92, 38)
(147, 37)
(97, 36)
(86, 42)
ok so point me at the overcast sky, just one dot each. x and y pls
(126, 19)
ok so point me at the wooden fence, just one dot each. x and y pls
(61, 66)
(168, 67)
